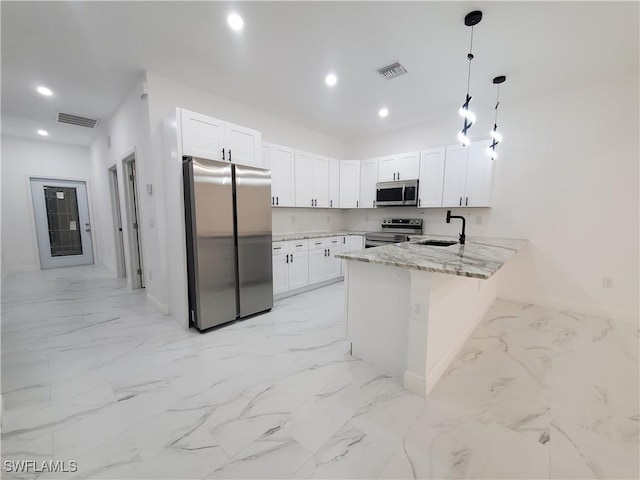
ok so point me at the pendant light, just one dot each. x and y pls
(471, 19)
(496, 138)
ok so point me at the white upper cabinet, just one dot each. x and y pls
(282, 173)
(320, 181)
(207, 137)
(368, 179)
(349, 183)
(387, 168)
(467, 176)
(479, 175)
(311, 180)
(244, 145)
(405, 166)
(303, 164)
(202, 136)
(431, 177)
(334, 183)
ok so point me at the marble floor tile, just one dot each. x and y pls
(92, 373)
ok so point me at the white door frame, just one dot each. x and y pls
(135, 265)
(41, 225)
(114, 190)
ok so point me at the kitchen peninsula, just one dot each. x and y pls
(410, 306)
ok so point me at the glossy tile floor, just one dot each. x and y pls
(91, 373)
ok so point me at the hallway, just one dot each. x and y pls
(92, 373)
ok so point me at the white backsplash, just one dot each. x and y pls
(293, 220)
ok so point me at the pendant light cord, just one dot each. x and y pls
(470, 57)
(495, 122)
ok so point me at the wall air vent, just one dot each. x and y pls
(392, 71)
(77, 120)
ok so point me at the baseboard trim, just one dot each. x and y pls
(614, 313)
(161, 307)
(308, 288)
(415, 383)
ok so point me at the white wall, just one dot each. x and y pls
(21, 159)
(566, 179)
(129, 131)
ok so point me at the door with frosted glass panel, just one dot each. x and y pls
(62, 222)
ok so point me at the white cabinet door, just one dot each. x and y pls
(320, 181)
(349, 183)
(303, 165)
(333, 264)
(244, 145)
(431, 178)
(334, 183)
(368, 179)
(479, 176)
(357, 242)
(282, 174)
(455, 174)
(280, 273)
(408, 166)
(202, 136)
(317, 265)
(298, 270)
(387, 168)
(266, 157)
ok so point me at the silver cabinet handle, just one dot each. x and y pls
(460, 201)
(331, 203)
(223, 154)
(398, 172)
(394, 176)
(88, 230)
(273, 201)
(287, 260)
(357, 202)
(374, 203)
(292, 258)
(277, 201)
(312, 202)
(466, 201)
(229, 154)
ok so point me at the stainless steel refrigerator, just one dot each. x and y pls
(228, 226)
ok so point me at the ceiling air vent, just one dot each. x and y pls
(77, 120)
(392, 71)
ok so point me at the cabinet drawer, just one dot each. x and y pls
(334, 242)
(278, 248)
(316, 243)
(299, 245)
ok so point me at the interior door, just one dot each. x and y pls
(63, 228)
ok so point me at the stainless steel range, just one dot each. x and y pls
(394, 230)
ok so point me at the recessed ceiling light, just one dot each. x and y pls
(44, 91)
(43, 133)
(331, 79)
(235, 21)
(383, 112)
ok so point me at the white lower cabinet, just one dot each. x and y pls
(298, 269)
(290, 265)
(300, 263)
(280, 273)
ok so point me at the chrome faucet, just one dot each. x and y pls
(449, 217)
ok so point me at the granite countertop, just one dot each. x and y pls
(479, 258)
(282, 237)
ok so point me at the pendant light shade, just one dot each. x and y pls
(496, 138)
(470, 20)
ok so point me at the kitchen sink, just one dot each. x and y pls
(438, 243)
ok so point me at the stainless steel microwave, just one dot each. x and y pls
(400, 193)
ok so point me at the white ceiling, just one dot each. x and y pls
(91, 53)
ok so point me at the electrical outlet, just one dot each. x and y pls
(479, 220)
(416, 309)
(607, 282)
